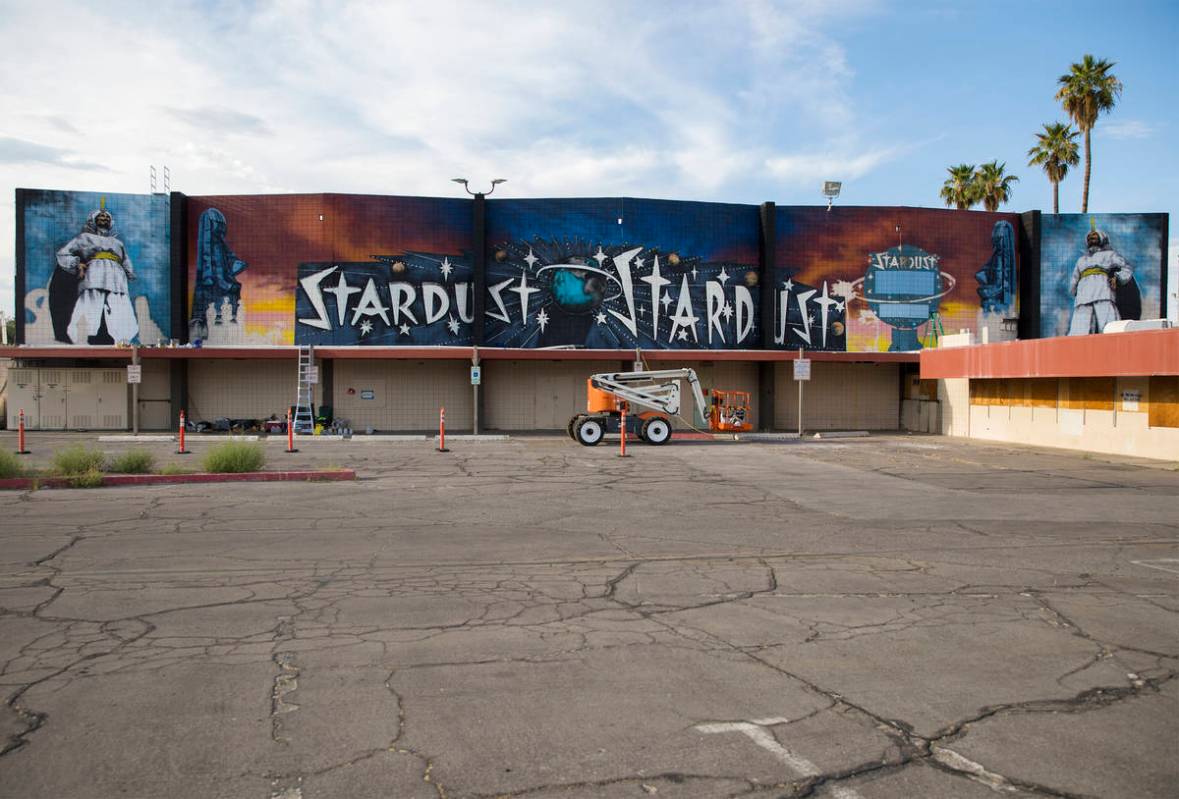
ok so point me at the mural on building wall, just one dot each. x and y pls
(217, 292)
(409, 298)
(96, 268)
(891, 279)
(1099, 268)
(621, 273)
(330, 269)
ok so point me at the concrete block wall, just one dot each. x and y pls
(954, 399)
(1118, 424)
(518, 395)
(402, 396)
(536, 395)
(839, 396)
(241, 389)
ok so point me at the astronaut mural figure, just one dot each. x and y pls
(1094, 285)
(216, 279)
(99, 261)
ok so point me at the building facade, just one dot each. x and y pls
(399, 296)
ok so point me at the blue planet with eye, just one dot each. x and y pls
(579, 287)
(576, 289)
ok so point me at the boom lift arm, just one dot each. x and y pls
(658, 390)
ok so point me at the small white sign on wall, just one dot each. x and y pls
(134, 373)
(802, 369)
(368, 394)
(476, 375)
(1130, 400)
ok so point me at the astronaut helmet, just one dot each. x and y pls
(1096, 239)
(101, 222)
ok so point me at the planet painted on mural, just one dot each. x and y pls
(580, 287)
(577, 289)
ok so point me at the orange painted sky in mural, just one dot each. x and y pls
(814, 245)
(273, 234)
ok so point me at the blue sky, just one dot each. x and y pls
(734, 102)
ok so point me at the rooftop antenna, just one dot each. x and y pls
(153, 178)
(831, 191)
(167, 180)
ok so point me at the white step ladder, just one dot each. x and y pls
(304, 422)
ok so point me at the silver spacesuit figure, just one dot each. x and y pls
(1095, 279)
(98, 257)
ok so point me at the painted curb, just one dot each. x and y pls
(26, 483)
(843, 434)
(358, 437)
(189, 438)
(145, 439)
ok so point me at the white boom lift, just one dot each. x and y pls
(656, 395)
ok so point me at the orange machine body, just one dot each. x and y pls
(599, 401)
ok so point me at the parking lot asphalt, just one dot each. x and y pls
(883, 617)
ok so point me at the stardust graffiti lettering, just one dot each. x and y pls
(339, 302)
(561, 292)
(891, 260)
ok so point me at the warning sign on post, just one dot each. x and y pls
(134, 373)
(802, 369)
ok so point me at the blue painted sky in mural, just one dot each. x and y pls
(776, 98)
(1138, 239)
(712, 231)
(53, 218)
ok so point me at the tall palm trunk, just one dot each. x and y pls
(1085, 190)
(1056, 197)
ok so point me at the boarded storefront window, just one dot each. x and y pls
(1164, 402)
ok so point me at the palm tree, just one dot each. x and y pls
(1087, 91)
(992, 186)
(1056, 151)
(958, 190)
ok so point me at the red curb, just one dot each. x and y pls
(692, 436)
(26, 483)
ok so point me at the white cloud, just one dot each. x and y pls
(845, 158)
(1124, 129)
(813, 167)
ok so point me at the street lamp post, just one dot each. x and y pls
(488, 193)
(478, 278)
(831, 189)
